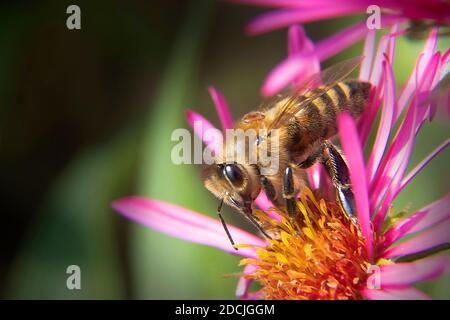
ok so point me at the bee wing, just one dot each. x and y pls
(324, 80)
(331, 75)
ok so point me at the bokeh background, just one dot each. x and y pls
(86, 117)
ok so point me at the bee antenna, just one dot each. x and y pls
(224, 224)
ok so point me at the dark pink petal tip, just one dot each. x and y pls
(403, 275)
(221, 107)
(421, 242)
(436, 213)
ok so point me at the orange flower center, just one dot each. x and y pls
(319, 255)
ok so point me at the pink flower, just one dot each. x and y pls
(302, 11)
(323, 255)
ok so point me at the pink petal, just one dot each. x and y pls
(341, 40)
(446, 57)
(369, 46)
(386, 185)
(433, 237)
(392, 40)
(302, 63)
(416, 9)
(431, 44)
(244, 284)
(314, 176)
(422, 65)
(345, 38)
(326, 187)
(300, 45)
(401, 275)
(296, 39)
(379, 57)
(272, 3)
(185, 224)
(433, 10)
(286, 72)
(299, 63)
(386, 121)
(395, 164)
(284, 3)
(257, 295)
(283, 18)
(373, 74)
(386, 48)
(433, 214)
(424, 163)
(221, 107)
(265, 204)
(204, 129)
(439, 98)
(353, 152)
(368, 118)
(427, 79)
(394, 294)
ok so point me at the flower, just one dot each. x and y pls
(321, 254)
(292, 12)
(303, 11)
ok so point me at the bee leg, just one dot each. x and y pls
(313, 157)
(289, 192)
(268, 188)
(249, 215)
(337, 168)
(224, 225)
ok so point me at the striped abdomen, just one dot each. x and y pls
(318, 119)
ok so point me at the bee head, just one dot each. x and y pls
(235, 183)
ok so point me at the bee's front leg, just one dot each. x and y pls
(337, 168)
(289, 192)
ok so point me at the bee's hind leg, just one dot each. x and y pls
(313, 157)
(289, 192)
(337, 168)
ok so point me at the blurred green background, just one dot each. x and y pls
(86, 117)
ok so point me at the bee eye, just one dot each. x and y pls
(233, 174)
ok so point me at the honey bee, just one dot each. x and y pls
(304, 122)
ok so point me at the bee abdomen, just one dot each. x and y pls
(346, 96)
(318, 120)
(356, 94)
